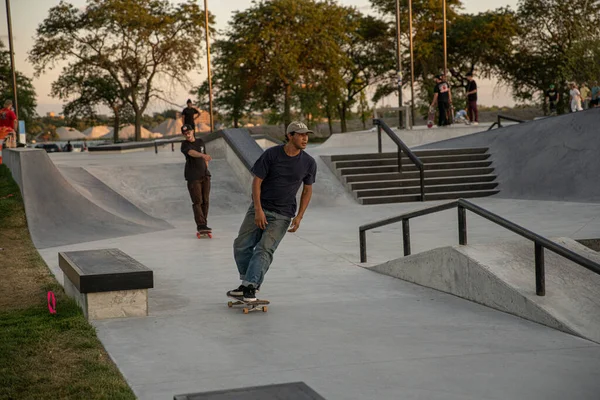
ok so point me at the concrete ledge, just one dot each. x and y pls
(106, 283)
(502, 276)
(288, 391)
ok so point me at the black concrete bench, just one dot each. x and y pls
(106, 283)
(288, 391)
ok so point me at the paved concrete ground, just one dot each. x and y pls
(347, 332)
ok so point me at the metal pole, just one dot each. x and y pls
(412, 64)
(462, 226)
(398, 64)
(12, 59)
(406, 236)
(210, 105)
(445, 48)
(540, 274)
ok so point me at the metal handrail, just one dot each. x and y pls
(540, 242)
(501, 117)
(380, 123)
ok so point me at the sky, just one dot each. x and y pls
(28, 14)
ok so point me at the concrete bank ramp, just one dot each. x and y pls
(58, 214)
(554, 158)
(502, 276)
(100, 194)
(160, 190)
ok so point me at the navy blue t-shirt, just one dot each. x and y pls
(282, 176)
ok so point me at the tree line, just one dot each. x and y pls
(309, 59)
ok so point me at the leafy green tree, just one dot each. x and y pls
(26, 96)
(474, 43)
(557, 42)
(371, 55)
(85, 89)
(287, 44)
(136, 42)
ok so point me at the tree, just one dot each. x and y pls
(370, 52)
(287, 44)
(135, 42)
(474, 43)
(557, 42)
(26, 97)
(87, 88)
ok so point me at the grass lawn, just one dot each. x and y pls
(44, 356)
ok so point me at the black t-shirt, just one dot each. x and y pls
(282, 176)
(470, 87)
(188, 116)
(195, 168)
(442, 89)
(552, 94)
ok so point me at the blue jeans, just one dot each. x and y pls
(253, 248)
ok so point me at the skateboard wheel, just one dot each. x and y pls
(265, 308)
(209, 235)
(230, 304)
(245, 311)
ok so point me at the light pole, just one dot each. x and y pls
(445, 48)
(412, 63)
(12, 59)
(210, 102)
(398, 64)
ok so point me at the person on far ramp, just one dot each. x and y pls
(197, 176)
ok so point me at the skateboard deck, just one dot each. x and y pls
(258, 305)
(430, 117)
(204, 234)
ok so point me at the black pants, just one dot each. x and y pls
(443, 108)
(200, 194)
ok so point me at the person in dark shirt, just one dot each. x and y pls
(472, 111)
(188, 115)
(197, 175)
(552, 96)
(441, 98)
(278, 174)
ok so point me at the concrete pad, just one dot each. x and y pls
(345, 331)
(366, 141)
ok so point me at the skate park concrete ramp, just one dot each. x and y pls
(554, 158)
(502, 276)
(57, 213)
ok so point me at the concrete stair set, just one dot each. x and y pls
(449, 174)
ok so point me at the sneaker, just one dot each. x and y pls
(203, 228)
(237, 292)
(249, 293)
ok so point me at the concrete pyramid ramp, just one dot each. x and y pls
(554, 158)
(58, 214)
(502, 276)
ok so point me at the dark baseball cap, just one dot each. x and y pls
(186, 128)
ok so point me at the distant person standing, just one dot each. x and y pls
(188, 115)
(575, 98)
(8, 118)
(441, 98)
(472, 100)
(552, 97)
(197, 176)
(585, 96)
(595, 95)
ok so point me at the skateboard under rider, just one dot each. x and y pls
(204, 234)
(258, 305)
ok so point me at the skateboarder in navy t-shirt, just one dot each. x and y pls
(278, 174)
